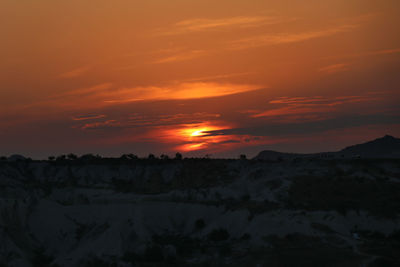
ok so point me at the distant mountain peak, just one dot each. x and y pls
(384, 147)
(388, 137)
(387, 146)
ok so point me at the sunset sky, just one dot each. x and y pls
(200, 77)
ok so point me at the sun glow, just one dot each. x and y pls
(194, 137)
(210, 136)
(199, 132)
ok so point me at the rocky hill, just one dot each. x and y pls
(199, 212)
(385, 147)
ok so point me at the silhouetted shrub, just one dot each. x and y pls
(380, 198)
(184, 245)
(322, 227)
(225, 250)
(153, 253)
(384, 262)
(72, 156)
(89, 158)
(164, 157)
(40, 259)
(61, 158)
(199, 224)
(128, 157)
(274, 184)
(245, 197)
(245, 237)
(98, 262)
(218, 235)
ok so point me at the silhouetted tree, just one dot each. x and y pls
(242, 157)
(72, 156)
(151, 156)
(51, 158)
(88, 157)
(132, 156)
(178, 156)
(199, 224)
(164, 157)
(61, 157)
(124, 157)
(217, 235)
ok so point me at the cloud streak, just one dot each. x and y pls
(334, 68)
(381, 52)
(74, 73)
(207, 24)
(88, 117)
(315, 108)
(142, 120)
(175, 92)
(182, 56)
(286, 38)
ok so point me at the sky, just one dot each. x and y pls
(200, 77)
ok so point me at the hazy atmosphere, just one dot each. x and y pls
(198, 77)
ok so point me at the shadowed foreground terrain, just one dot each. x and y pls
(91, 211)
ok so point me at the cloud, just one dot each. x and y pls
(88, 117)
(384, 52)
(326, 101)
(218, 77)
(182, 56)
(368, 54)
(87, 91)
(175, 92)
(312, 127)
(106, 94)
(101, 125)
(75, 72)
(102, 98)
(285, 38)
(204, 24)
(296, 109)
(146, 120)
(334, 68)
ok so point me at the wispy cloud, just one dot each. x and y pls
(75, 72)
(87, 91)
(101, 125)
(380, 52)
(107, 94)
(206, 24)
(181, 56)
(218, 77)
(176, 91)
(384, 52)
(307, 108)
(285, 38)
(298, 111)
(88, 117)
(146, 120)
(334, 68)
(327, 101)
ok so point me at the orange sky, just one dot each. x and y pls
(142, 76)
